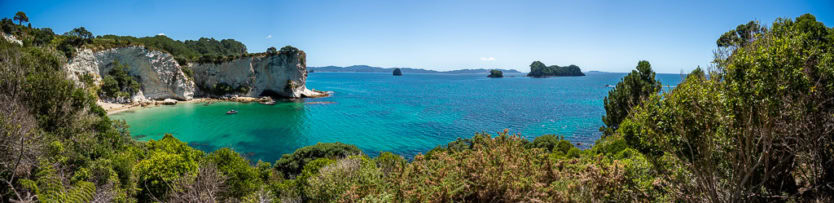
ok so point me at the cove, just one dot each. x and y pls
(406, 115)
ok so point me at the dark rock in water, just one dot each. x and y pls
(398, 72)
(495, 74)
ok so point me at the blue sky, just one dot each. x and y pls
(611, 36)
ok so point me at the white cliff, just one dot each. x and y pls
(11, 38)
(283, 74)
(161, 77)
(158, 73)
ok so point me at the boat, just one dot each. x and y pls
(231, 112)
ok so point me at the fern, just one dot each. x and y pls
(82, 191)
(50, 187)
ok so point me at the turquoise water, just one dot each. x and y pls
(377, 112)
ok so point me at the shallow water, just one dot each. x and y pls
(405, 115)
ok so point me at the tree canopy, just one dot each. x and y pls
(635, 87)
(21, 17)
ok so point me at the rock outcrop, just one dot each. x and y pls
(158, 73)
(11, 38)
(495, 74)
(283, 74)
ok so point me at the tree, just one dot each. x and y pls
(21, 17)
(551, 143)
(81, 32)
(288, 50)
(7, 25)
(43, 36)
(271, 51)
(629, 92)
(537, 68)
(741, 36)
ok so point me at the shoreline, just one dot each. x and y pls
(113, 108)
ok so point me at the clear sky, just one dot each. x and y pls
(611, 36)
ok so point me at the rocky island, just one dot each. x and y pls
(398, 72)
(495, 74)
(538, 69)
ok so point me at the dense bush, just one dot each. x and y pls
(203, 50)
(758, 128)
(292, 164)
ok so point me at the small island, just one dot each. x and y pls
(538, 69)
(495, 74)
(398, 72)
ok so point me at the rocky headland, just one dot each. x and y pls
(282, 74)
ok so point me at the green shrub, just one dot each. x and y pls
(242, 179)
(291, 164)
(168, 160)
(347, 179)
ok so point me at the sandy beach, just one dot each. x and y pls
(113, 108)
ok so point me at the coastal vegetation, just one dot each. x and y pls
(222, 89)
(538, 69)
(117, 83)
(495, 74)
(631, 91)
(755, 127)
(203, 50)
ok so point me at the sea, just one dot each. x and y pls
(406, 115)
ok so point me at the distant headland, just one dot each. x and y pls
(372, 69)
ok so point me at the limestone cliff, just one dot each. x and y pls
(158, 73)
(283, 74)
(161, 77)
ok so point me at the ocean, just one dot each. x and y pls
(377, 112)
